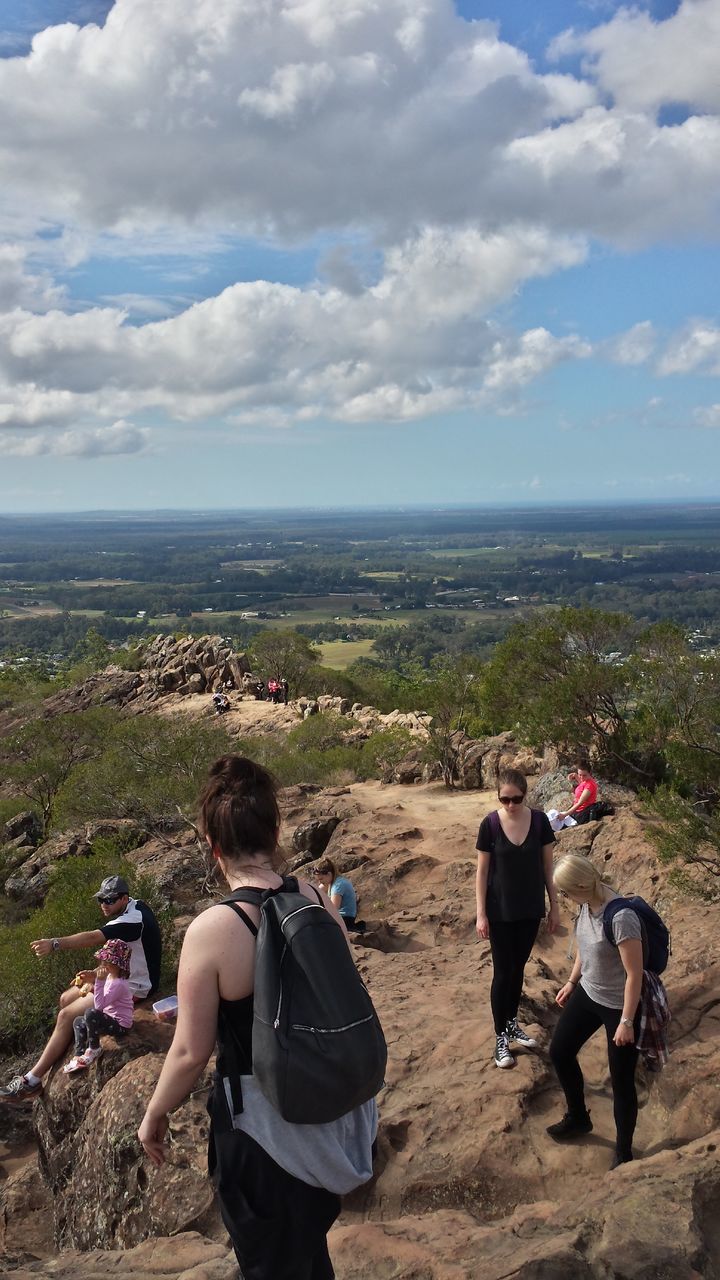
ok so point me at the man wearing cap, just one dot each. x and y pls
(126, 918)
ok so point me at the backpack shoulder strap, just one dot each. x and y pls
(243, 916)
(253, 896)
(494, 820)
(622, 904)
(536, 817)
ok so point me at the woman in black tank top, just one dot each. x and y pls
(515, 869)
(277, 1222)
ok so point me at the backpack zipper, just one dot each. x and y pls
(332, 1031)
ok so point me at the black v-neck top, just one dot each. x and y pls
(516, 881)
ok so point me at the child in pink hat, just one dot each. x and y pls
(112, 1013)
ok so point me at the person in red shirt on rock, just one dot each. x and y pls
(585, 793)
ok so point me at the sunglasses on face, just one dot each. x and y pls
(511, 799)
(108, 902)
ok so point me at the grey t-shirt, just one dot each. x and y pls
(603, 975)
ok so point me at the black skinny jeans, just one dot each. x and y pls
(278, 1225)
(580, 1019)
(511, 942)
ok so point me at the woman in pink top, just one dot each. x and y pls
(112, 1012)
(585, 793)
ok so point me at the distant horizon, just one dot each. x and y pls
(397, 507)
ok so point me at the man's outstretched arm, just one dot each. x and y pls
(72, 942)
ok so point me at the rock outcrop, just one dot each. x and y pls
(30, 880)
(185, 666)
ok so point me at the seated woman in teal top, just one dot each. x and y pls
(340, 891)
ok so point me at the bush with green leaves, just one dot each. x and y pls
(318, 750)
(31, 986)
(151, 770)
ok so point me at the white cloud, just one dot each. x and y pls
(20, 287)
(633, 347)
(416, 343)
(119, 438)
(708, 416)
(697, 350)
(642, 63)
(294, 116)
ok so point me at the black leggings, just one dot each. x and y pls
(278, 1225)
(580, 1019)
(510, 944)
(91, 1025)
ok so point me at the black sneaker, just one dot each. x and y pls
(570, 1126)
(19, 1090)
(503, 1056)
(516, 1035)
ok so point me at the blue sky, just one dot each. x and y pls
(468, 254)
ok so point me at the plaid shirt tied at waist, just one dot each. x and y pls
(652, 1039)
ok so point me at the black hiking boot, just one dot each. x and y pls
(570, 1126)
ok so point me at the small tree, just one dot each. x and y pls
(152, 771)
(565, 678)
(283, 655)
(688, 839)
(43, 756)
(453, 696)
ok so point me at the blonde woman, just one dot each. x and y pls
(603, 990)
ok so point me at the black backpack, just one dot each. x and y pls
(318, 1049)
(655, 933)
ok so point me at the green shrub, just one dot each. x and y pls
(31, 986)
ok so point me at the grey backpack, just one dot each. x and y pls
(318, 1049)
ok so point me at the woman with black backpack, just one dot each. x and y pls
(603, 990)
(278, 1183)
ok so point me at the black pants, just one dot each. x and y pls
(510, 944)
(91, 1025)
(278, 1225)
(580, 1019)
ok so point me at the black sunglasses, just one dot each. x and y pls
(108, 902)
(511, 799)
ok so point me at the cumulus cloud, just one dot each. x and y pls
(697, 350)
(119, 438)
(292, 116)
(642, 63)
(20, 287)
(418, 341)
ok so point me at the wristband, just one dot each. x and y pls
(55, 944)
(571, 982)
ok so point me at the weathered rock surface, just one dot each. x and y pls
(102, 1192)
(30, 880)
(467, 1184)
(168, 666)
(553, 791)
(313, 837)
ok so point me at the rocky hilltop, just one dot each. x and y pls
(467, 1184)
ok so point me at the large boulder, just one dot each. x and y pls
(313, 837)
(24, 829)
(30, 881)
(104, 1192)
